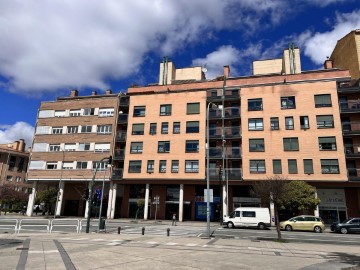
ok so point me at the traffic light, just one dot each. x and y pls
(110, 160)
(86, 194)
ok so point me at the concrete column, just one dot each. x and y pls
(146, 205)
(31, 202)
(87, 202)
(272, 212)
(113, 201)
(109, 200)
(60, 199)
(316, 211)
(181, 203)
(224, 202)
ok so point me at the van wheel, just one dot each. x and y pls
(344, 231)
(317, 229)
(230, 225)
(288, 228)
(261, 226)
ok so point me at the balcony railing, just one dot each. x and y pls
(353, 174)
(121, 136)
(117, 174)
(349, 86)
(123, 118)
(119, 154)
(231, 152)
(232, 173)
(229, 95)
(229, 112)
(229, 132)
(124, 102)
(351, 128)
(349, 106)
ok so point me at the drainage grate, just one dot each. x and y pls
(22, 249)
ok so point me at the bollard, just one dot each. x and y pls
(168, 231)
(119, 229)
(143, 230)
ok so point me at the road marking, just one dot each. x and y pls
(94, 240)
(79, 239)
(191, 245)
(43, 251)
(171, 244)
(113, 244)
(151, 243)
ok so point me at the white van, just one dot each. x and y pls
(248, 217)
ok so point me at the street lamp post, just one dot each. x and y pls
(60, 182)
(208, 170)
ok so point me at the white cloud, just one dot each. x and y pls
(20, 130)
(320, 45)
(215, 61)
(52, 44)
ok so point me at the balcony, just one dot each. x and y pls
(353, 174)
(119, 154)
(123, 119)
(231, 173)
(215, 95)
(124, 101)
(233, 132)
(229, 113)
(117, 174)
(350, 128)
(121, 136)
(231, 153)
(349, 87)
(350, 106)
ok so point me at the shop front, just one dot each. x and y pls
(332, 207)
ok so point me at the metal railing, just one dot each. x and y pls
(120, 136)
(6, 224)
(350, 127)
(26, 223)
(231, 152)
(65, 223)
(229, 95)
(232, 173)
(349, 106)
(229, 132)
(229, 112)
(353, 174)
(123, 118)
(117, 174)
(119, 154)
(352, 150)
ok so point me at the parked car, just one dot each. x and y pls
(347, 226)
(303, 223)
(248, 217)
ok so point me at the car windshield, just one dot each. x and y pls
(346, 220)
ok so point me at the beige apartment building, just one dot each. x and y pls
(279, 121)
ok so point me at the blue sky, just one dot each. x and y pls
(51, 46)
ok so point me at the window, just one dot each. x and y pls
(322, 101)
(18, 179)
(100, 166)
(304, 122)
(164, 128)
(51, 165)
(255, 104)
(256, 145)
(292, 166)
(60, 113)
(139, 111)
(84, 146)
(257, 166)
(39, 147)
(42, 130)
(165, 109)
(153, 128)
(174, 166)
(81, 165)
(192, 146)
(72, 129)
(248, 214)
(21, 164)
(9, 178)
(176, 127)
(104, 129)
(136, 147)
(89, 111)
(37, 165)
(329, 166)
(138, 129)
(86, 129)
(75, 113)
(291, 144)
(289, 123)
(57, 130)
(46, 113)
(162, 166)
(288, 103)
(308, 166)
(256, 124)
(325, 121)
(191, 166)
(192, 127)
(135, 166)
(327, 143)
(277, 168)
(150, 166)
(193, 108)
(54, 147)
(164, 147)
(102, 147)
(70, 147)
(274, 123)
(11, 163)
(106, 112)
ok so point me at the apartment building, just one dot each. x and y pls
(13, 165)
(279, 121)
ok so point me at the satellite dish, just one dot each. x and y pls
(204, 69)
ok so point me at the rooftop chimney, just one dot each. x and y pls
(226, 71)
(108, 92)
(21, 145)
(94, 93)
(328, 64)
(74, 93)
